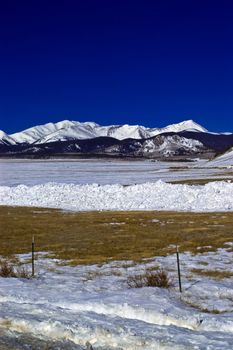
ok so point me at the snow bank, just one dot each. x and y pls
(215, 196)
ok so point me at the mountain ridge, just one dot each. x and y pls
(73, 130)
(181, 141)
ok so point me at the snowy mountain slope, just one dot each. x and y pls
(187, 125)
(6, 139)
(125, 131)
(171, 145)
(35, 133)
(158, 147)
(72, 130)
(224, 160)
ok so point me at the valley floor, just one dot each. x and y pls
(80, 297)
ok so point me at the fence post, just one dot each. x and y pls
(33, 258)
(178, 268)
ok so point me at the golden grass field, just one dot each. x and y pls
(97, 237)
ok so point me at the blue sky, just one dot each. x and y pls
(112, 62)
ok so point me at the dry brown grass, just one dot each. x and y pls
(201, 181)
(216, 274)
(150, 278)
(90, 238)
(178, 168)
(7, 269)
(91, 275)
(199, 307)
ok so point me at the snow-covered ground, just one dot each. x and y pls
(94, 304)
(35, 172)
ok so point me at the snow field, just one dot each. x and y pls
(104, 172)
(214, 196)
(93, 304)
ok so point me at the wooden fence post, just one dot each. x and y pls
(33, 258)
(178, 268)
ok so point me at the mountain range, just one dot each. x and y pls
(72, 130)
(183, 140)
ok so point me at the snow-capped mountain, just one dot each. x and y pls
(161, 146)
(183, 141)
(187, 125)
(73, 130)
(35, 133)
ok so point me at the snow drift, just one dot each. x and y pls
(215, 196)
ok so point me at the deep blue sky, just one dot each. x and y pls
(138, 62)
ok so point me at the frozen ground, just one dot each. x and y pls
(28, 172)
(93, 304)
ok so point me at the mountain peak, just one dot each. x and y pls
(191, 124)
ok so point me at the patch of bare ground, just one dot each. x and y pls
(200, 181)
(186, 299)
(178, 168)
(216, 274)
(90, 237)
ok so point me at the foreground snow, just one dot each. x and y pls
(93, 304)
(215, 196)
